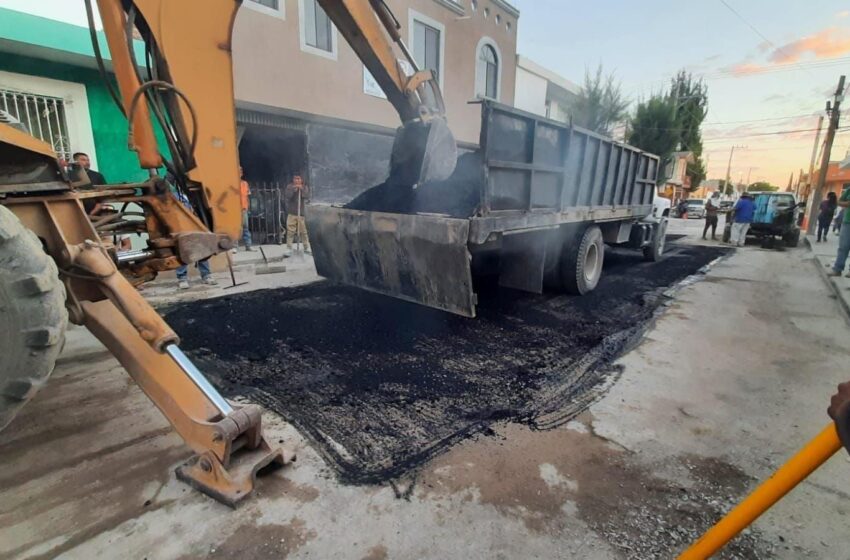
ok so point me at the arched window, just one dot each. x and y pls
(487, 72)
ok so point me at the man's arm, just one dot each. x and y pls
(839, 410)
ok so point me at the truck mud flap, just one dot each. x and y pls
(422, 259)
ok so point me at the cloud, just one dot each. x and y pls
(774, 97)
(842, 15)
(827, 43)
(744, 69)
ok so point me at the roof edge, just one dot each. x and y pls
(505, 5)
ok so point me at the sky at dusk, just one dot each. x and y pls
(769, 68)
(781, 65)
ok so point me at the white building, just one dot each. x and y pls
(542, 91)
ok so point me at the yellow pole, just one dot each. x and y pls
(789, 475)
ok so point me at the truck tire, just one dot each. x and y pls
(33, 317)
(793, 239)
(581, 266)
(655, 251)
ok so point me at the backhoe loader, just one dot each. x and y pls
(56, 263)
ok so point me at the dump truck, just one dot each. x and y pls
(535, 205)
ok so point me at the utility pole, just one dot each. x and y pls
(809, 180)
(729, 167)
(799, 183)
(834, 112)
(749, 172)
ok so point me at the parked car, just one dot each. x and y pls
(696, 208)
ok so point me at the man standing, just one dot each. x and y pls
(682, 207)
(843, 237)
(744, 210)
(295, 198)
(95, 209)
(203, 265)
(244, 193)
(712, 207)
(82, 159)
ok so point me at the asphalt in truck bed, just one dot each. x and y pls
(380, 386)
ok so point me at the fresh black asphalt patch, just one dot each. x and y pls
(380, 386)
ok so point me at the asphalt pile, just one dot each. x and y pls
(458, 196)
(380, 386)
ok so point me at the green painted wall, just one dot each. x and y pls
(109, 126)
(27, 29)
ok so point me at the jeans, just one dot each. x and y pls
(843, 249)
(295, 224)
(710, 222)
(246, 231)
(739, 234)
(823, 229)
(203, 268)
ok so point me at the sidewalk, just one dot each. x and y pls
(273, 253)
(824, 254)
(299, 271)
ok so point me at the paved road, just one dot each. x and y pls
(733, 378)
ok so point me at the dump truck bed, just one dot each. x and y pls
(529, 174)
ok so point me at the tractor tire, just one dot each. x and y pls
(581, 265)
(655, 251)
(33, 317)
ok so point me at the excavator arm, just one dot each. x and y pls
(190, 94)
(424, 148)
(183, 82)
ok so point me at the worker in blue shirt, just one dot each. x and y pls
(744, 210)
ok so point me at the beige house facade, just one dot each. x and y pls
(306, 104)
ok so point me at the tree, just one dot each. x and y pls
(724, 187)
(762, 186)
(651, 127)
(691, 96)
(671, 121)
(601, 105)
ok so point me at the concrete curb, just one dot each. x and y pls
(843, 301)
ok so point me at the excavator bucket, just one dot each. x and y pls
(423, 152)
(419, 258)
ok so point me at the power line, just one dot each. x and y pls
(763, 120)
(774, 133)
(760, 71)
(759, 33)
(787, 117)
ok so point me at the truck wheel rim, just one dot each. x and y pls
(591, 262)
